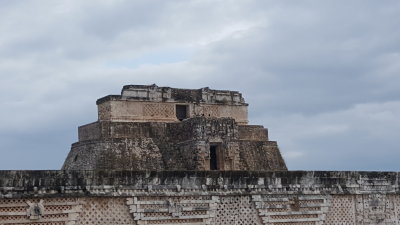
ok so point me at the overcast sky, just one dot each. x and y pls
(322, 76)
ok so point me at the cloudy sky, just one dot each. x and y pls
(322, 76)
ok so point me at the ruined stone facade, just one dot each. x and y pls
(199, 197)
(169, 156)
(162, 128)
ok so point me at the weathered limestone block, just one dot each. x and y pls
(250, 153)
(253, 133)
(115, 153)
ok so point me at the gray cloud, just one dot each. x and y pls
(322, 76)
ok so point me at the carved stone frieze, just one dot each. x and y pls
(296, 209)
(52, 211)
(173, 210)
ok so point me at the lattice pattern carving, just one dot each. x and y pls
(292, 209)
(159, 110)
(44, 223)
(173, 210)
(237, 112)
(211, 110)
(341, 211)
(49, 211)
(105, 211)
(396, 204)
(236, 210)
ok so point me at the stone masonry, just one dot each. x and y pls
(199, 197)
(160, 155)
(162, 128)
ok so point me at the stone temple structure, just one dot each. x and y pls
(160, 155)
(162, 128)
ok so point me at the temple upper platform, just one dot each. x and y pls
(150, 103)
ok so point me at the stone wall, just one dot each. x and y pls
(173, 146)
(89, 131)
(253, 133)
(150, 103)
(166, 94)
(134, 111)
(139, 111)
(208, 197)
(115, 153)
(250, 153)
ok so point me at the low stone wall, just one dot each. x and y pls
(199, 197)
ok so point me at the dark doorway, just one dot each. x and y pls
(181, 112)
(213, 158)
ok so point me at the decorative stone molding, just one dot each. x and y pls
(173, 209)
(52, 211)
(292, 208)
(35, 210)
(199, 197)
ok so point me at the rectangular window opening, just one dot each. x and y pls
(181, 112)
(213, 157)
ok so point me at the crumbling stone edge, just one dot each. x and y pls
(64, 183)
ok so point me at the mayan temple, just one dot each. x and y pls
(161, 155)
(162, 128)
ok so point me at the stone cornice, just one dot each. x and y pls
(57, 183)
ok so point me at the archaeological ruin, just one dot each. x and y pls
(162, 128)
(161, 155)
